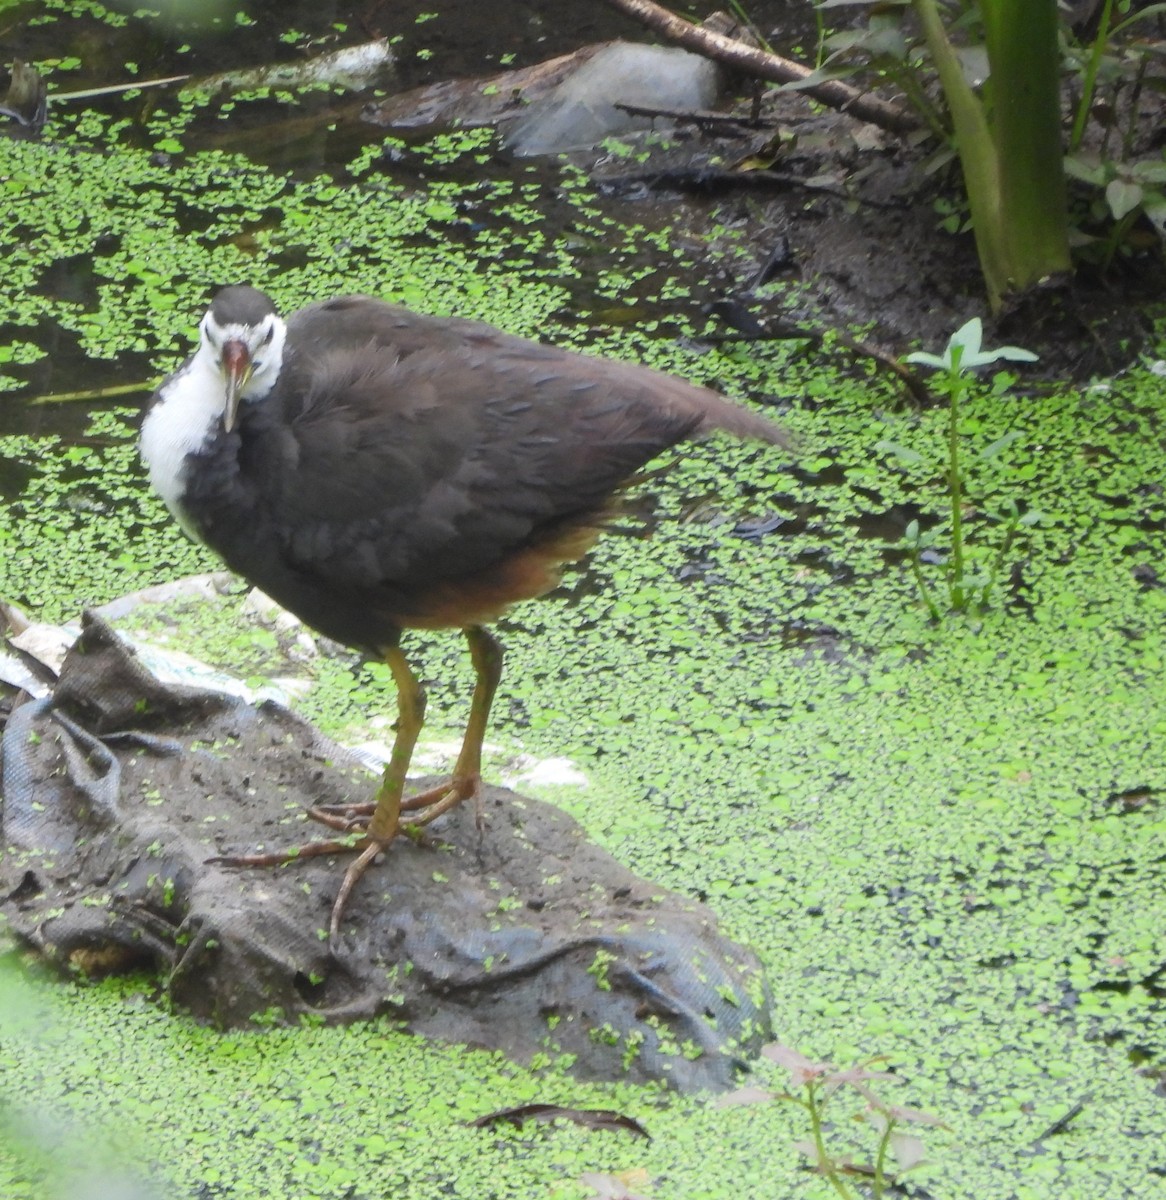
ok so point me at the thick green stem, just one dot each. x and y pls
(1025, 93)
(1011, 156)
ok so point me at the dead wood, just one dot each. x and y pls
(760, 63)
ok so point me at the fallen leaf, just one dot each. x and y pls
(589, 1118)
(617, 1186)
(743, 1095)
(907, 1149)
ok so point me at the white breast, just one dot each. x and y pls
(181, 422)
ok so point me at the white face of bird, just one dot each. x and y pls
(248, 357)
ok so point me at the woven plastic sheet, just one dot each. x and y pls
(519, 936)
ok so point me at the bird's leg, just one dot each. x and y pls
(423, 807)
(385, 822)
(486, 655)
(386, 813)
(385, 807)
(384, 819)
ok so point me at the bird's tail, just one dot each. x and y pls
(717, 412)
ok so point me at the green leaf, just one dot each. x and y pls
(991, 450)
(927, 360)
(1123, 196)
(1149, 170)
(968, 337)
(1154, 206)
(1012, 353)
(1084, 169)
(902, 453)
(964, 351)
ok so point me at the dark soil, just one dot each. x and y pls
(849, 214)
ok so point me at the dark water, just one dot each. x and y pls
(432, 41)
(439, 39)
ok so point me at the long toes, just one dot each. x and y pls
(422, 800)
(365, 809)
(442, 800)
(279, 858)
(346, 820)
(352, 877)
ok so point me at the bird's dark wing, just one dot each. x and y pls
(407, 451)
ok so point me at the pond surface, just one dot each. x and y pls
(945, 841)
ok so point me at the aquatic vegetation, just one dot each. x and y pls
(968, 587)
(943, 839)
(815, 1086)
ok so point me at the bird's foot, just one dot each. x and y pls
(347, 818)
(424, 808)
(428, 805)
(352, 819)
(352, 877)
(434, 802)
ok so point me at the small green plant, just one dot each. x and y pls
(1125, 193)
(969, 584)
(1126, 209)
(814, 1086)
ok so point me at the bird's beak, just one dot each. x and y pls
(236, 372)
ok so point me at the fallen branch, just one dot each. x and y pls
(709, 180)
(713, 120)
(782, 331)
(713, 180)
(763, 65)
(114, 88)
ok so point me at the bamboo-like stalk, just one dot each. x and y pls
(1024, 91)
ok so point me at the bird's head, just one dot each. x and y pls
(243, 336)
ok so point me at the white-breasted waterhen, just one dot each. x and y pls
(375, 470)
